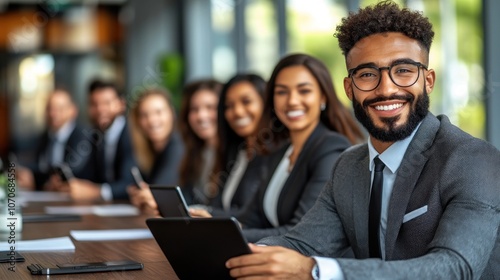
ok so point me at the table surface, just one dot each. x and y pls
(145, 251)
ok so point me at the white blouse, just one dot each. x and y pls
(275, 186)
(234, 179)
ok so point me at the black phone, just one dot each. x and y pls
(137, 176)
(10, 256)
(64, 171)
(170, 201)
(85, 267)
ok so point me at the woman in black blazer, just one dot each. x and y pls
(304, 116)
(237, 171)
(157, 145)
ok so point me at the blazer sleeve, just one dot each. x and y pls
(319, 166)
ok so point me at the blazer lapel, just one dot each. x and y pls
(297, 176)
(406, 179)
(360, 203)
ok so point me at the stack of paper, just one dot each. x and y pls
(112, 234)
(100, 210)
(48, 244)
(45, 196)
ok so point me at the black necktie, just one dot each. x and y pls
(101, 166)
(50, 151)
(375, 206)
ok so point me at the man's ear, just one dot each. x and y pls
(348, 87)
(430, 78)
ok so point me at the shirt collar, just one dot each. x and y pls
(64, 132)
(116, 127)
(392, 156)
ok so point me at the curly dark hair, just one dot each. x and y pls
(385, 16)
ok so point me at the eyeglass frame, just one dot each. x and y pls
(388, 68)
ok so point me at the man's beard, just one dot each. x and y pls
(391, 133)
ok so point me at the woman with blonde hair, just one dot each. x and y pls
(157, 145)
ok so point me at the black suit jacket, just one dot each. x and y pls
(254, 176)
(307, 178)
(77, 155)
(166, 165)
(122, 163)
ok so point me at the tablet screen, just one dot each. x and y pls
(170, 201)
(198, 248)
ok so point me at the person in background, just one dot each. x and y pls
(198, 126)
(157, 144)
(64, 142)
(420, 200)
(238, 170)
(113, 152)
(313, 128)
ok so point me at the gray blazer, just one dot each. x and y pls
(455, 175)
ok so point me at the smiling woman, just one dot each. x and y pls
(157, 145)
(238, 170)
(305, 119)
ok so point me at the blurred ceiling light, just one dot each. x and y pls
(31, 70)
(44, 64)
(28, 77)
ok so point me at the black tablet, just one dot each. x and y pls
(170, 201)
(198, 248)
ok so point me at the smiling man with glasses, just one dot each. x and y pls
(420, 200)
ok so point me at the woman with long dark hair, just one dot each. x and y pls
(237, 171)
(198, 126)
(304, 116)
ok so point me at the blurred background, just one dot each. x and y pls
(144, 43)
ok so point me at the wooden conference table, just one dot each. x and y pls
(145, 251)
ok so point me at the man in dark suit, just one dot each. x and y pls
(420, 200)
(63, 143)
(113, 155)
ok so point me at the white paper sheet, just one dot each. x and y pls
(75, 210)
(113, 234)
(45, 196)
(49, 244)
(116, 210)
(100, 210)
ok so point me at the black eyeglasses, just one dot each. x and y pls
(403, 74)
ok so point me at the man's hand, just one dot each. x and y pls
(143, 199)
(25, 178)
(55, 184)
(271, 262)
(81, 190)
